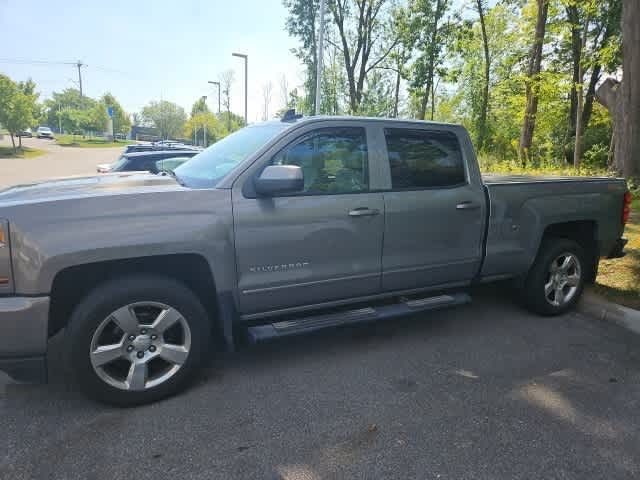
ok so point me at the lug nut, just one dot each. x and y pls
(143, 331)
(140, 354)
(152, 348)
(132, 337)
(130, 348)
(153, 337)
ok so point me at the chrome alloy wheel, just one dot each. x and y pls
(140, 346)
(563, 279)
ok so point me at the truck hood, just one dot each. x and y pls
(121, 183)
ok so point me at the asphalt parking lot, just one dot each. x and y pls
(484, 391)
(57, 162)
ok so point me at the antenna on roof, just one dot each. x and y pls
(290, 116)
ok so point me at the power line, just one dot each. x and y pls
(25, 61)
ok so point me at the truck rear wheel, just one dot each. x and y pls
(137, 339)
(556, 279)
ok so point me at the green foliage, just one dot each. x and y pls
(168, 117)
(17, 104)
(195, 127)
(121, 121)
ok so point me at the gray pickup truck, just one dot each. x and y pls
(280, 229)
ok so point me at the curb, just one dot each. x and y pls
(597, 307)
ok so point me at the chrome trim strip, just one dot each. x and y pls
(308, 284)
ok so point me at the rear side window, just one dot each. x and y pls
(424, 159)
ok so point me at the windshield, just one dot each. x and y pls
(208, 167)
(44, 129)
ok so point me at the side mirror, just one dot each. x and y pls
(277, 179)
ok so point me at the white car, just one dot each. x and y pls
(44, 132)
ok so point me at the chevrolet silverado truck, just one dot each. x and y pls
(280, 229)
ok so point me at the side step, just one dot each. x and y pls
(299, 326)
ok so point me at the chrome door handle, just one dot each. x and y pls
(467, 206)
(364, 212)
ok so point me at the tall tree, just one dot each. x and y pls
(168, 117)
(628, 146)
(301, 24)
(360, 25)
(482, 127)
(531, 83)
(199, 106)
(226, 81)
(429, 38)
(267, 89)
(16, 108)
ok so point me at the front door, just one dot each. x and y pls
(435, 211)
(321, 244)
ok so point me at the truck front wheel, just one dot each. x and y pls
(556, 279)
(137, 339)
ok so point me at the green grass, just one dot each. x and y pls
(87, 142)
(489, 164)
(24, 152)
(619, 279)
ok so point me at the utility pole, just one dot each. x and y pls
(80, 65)
(218, 84)
(246, 83)
(320, 54)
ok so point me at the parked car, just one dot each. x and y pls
(281, 229)
(152, 161)
(25, 133)
(44, 132)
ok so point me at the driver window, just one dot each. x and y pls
(333, 160)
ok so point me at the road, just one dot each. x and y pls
(58, 162)
(484, 391)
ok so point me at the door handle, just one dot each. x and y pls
(364, 212)
(467, 205)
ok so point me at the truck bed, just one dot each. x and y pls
(522, 207)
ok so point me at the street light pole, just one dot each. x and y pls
(246, 83)
(218, 84)
(320, 54)
(204, 125)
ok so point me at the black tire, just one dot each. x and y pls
(533, 292)
(106, 299)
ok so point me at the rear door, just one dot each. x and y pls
(435, 209)
(321, 244)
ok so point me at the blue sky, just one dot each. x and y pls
(152, 49)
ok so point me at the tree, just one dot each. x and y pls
(267, 88)
(16, 108)
(429, 37)
(628, 145)
(167, 117)
(482, 127)
(226, 81)
(121, 121)
(200, 106)
(301, 24)
(201, 122)
(532, 80)
(360, 27)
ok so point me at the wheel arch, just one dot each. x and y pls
(584, 233)
(73, 283)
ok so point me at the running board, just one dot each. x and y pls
(299, 326)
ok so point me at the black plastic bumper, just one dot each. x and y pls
(618, 250)
(25, 369)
